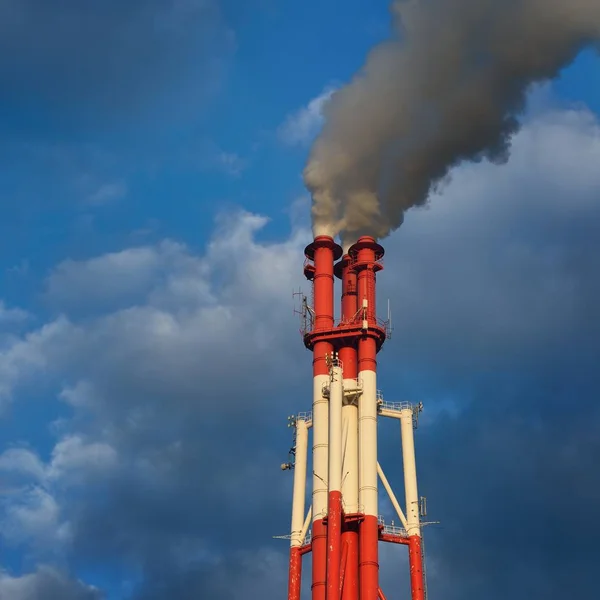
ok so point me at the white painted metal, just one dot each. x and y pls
(384, 412)
(392, 496)
(367, 443)
(392, 410)
(306, 524)
(336, 396)
(299, 495)
(350, 452)
(413, 526)
(320, 447)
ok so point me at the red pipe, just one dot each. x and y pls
(323, 251)
(369, 559)
(381, 594)
(344, 564)
(334, 541)
(348, 356)
(319, 529)
(369, 528)
(350, 539)
(415, 560)
(365, 255)
(295, 576)
(393, 539)
(319, 560)
(345, 272)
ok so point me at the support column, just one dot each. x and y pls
(334, 518)
(365, 255)
(298, 509)
(349, 358)
(367, 441)
(415, 555)
(323, 251)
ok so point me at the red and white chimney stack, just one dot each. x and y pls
(346, 526)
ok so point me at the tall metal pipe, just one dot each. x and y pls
(367, 443)
(298, 510)
(413, 524)
(334, 515)
(365, 254)
(323, 251)
(349, 357)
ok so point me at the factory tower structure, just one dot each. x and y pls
(341, 527)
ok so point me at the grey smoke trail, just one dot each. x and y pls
(448, 91)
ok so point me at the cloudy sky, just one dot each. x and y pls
(153, 221)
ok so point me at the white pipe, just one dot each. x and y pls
(367, 440)
(392, 496)
(350, 454)
(336, 395)
(306, 524)
(410, 472)
(299, 496)
(320, 448)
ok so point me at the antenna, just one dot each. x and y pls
(305, 312)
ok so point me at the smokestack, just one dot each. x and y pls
(448, 87)
(347, 405)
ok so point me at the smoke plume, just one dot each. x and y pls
(447, 88)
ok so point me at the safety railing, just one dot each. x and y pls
(392, 529)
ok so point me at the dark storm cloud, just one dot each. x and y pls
(497, 313)
(498, 320)
(243, 575)
(515, 486)
(498, 335)
(88, 58)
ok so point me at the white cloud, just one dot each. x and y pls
(300, 127)
(30, 353)
(111, 279)
(135, 376)
(22, 461)
(12, 315)
(107, 193)
(73, 455)
(34, 516)
(173, 385)
(45, 582)
(210, 156)
(230, 162)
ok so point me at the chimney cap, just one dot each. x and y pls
(323, 241)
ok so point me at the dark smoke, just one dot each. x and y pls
(448, 88)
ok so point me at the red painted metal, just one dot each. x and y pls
(343, 565)
(393, 539)
(368, 558)
(350, 539)
(364, 257)
(323, 252)
(319, 560)
(295, 575)
(345, 562)
(349, 357)
(415, 560)
(334, 545)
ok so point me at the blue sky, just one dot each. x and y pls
(154, 218)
